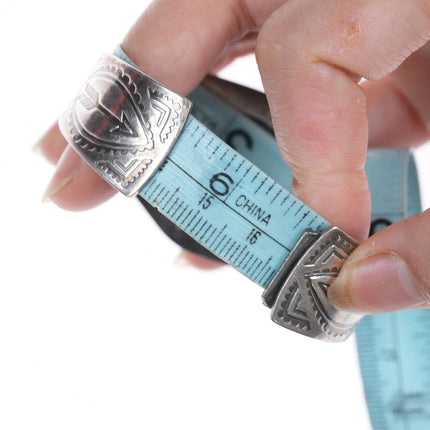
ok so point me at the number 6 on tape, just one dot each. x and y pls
(141, 138)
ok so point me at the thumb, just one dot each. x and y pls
(388, 272)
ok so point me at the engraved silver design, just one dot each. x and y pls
(297, 295)
(123, 123)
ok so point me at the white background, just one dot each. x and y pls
(99, 328)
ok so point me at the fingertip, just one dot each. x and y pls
(381, 283)
(187, 258)
(388, 272)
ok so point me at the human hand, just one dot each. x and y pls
(311, 56)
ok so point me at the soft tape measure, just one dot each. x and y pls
(394, 348)
(139, 137)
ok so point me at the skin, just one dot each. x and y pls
(316, 52)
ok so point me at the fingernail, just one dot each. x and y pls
(382, 283)
(66, 170)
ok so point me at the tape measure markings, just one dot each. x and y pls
(222, 201)
(394, 349)
(395, 375)
(223, 247)
(244, 189)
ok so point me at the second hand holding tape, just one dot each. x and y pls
(131, 129)
(140, 137)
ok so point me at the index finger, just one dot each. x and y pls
(176, 42)
(312, 55)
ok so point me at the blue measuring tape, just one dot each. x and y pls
(236, 203)
(394, 348)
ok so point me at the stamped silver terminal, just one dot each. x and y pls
(297, 294)
(123, 123)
